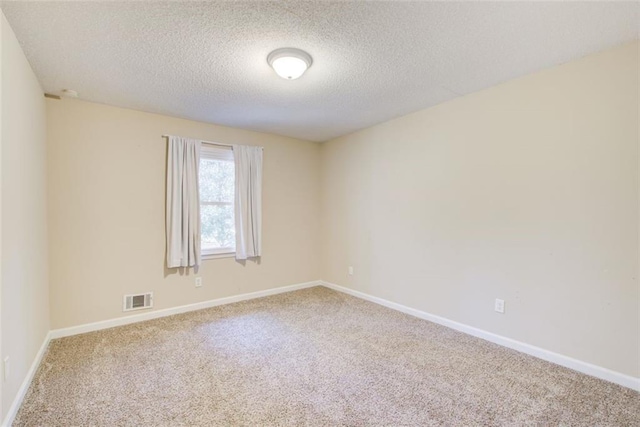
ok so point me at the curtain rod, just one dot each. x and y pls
(208, 142)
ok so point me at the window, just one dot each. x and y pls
(217, 186)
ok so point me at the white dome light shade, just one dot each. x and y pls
(289, 63)
(289, 67)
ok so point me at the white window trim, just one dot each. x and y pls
(207, 256)
(217, 153)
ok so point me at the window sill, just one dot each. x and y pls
(216, 256)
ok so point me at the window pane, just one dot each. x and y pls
(216, 180)
(218, 229)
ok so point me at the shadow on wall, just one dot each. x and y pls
(186, 271)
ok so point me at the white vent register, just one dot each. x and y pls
(137, 302)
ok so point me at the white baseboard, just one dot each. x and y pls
(22, 391)
(559, 359)
(120, 321)
(577, 365)
(105, 324)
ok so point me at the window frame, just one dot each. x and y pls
(214, 152)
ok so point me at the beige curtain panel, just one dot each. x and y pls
(183, 203)
(248, 200)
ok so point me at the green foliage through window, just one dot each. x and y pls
(217, 179)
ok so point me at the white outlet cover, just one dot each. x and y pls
(499, 305)
(350, 271)
(198, 282)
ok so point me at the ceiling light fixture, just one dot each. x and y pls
(289, 63)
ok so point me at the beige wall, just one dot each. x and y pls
(25, 289)
(106, 213)
(527, 191)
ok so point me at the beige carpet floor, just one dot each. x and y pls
(313, 357)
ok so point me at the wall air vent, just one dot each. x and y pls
(137, 302)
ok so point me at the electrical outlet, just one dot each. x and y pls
(350, 270)
(5, 368)
(198, 282)
(499, 306)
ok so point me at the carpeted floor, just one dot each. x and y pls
(313, 357)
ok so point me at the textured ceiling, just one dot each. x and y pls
(372, 60)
